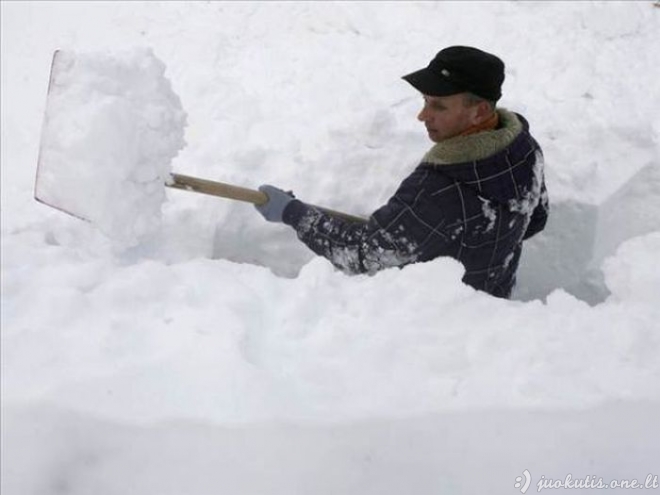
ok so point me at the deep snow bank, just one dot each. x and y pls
(154, 345)
(188, 325)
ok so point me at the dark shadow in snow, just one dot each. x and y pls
(560, 257)
(244, 237)
(580, 236)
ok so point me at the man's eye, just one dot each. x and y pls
(435, 105)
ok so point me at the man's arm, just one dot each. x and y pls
(385, 240)
(355, 247)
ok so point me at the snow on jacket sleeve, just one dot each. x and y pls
(539, 216)
(352, 247)
(379, 243)
(423, 220)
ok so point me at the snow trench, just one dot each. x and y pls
(579, 236)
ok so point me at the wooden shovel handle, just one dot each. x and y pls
(219, 189)
(237, 193)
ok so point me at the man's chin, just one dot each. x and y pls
(434, 136)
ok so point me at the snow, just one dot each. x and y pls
(111, 129)
(489, 213)
(206, 351)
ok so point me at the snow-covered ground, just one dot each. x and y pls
(216, 355)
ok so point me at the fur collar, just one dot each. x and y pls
(478, 146)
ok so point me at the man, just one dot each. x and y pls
(475, 196)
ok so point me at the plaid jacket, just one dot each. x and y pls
(474, 198)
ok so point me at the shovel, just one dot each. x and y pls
(52, 185)
(237, 193)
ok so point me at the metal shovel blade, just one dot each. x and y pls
(46, 189)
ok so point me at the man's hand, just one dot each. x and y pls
(273, 209)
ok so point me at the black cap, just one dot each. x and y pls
(460, 69)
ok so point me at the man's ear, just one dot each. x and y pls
(482, 112)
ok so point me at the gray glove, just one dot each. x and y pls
(273, 209)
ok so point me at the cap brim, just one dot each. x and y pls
(429, 83)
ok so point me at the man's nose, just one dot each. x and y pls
(422, 115)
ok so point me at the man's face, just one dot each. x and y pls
(446, 116)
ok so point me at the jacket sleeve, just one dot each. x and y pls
(355, 248)
(539, 215)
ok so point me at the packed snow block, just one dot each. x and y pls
(560, 256)
(633, 273)
(631, 211)
(111, 129)
(579, 237)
